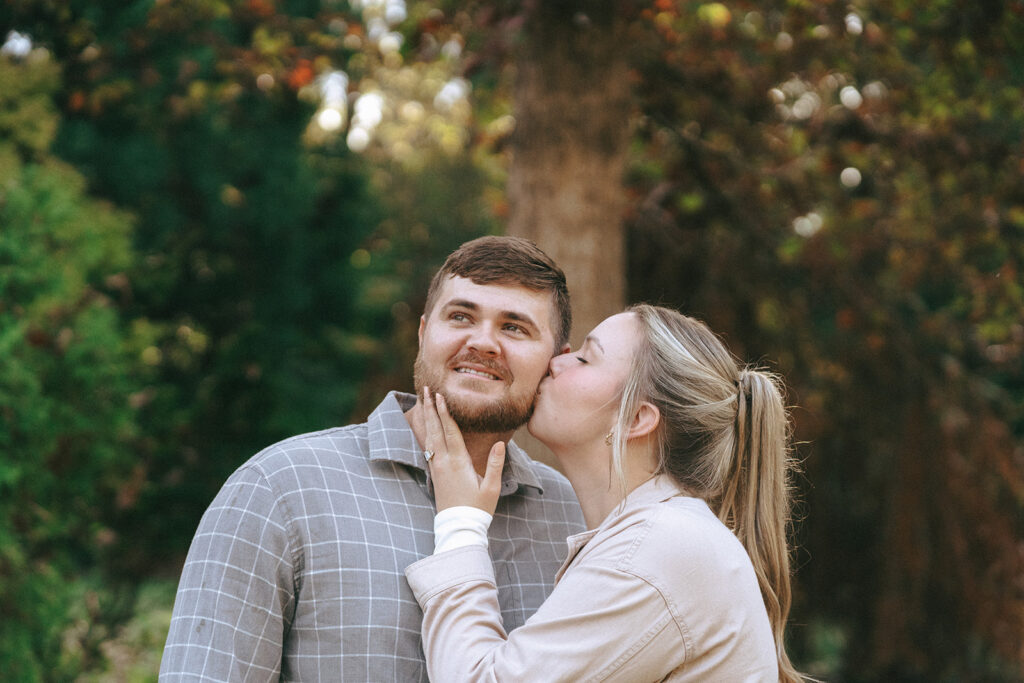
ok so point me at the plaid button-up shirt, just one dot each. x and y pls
(297, 569)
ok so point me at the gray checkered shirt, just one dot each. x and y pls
(297, 569)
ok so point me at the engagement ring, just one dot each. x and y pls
(428, 455)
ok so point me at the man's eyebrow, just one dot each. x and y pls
(519, 317)
(593, 340)
(461, 303)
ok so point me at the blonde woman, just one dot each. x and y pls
(679, 458)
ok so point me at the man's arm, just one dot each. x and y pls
(236, 597)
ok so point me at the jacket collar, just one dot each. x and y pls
(657, 489)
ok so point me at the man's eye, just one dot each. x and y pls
(515, 328)
(458, 317)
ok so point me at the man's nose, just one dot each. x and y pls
(484, 339)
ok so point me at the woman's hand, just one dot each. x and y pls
(451, 468)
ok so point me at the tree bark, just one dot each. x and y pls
(565, 186)
(565, 189)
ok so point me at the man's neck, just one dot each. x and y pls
(478, 444)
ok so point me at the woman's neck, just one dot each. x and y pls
(593, 479)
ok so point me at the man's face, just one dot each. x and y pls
(485, 348)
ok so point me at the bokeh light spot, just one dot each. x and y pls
(390, 42)
(806, 105)
(412, 111)
(358, 139)
(809, 225)
(714, 13)
(330, 119)
(850, 177)
(850, 97)
(17, 45)
(875, 90)
(151, 355)
(360, 258)
(854, 24)
(450, 93)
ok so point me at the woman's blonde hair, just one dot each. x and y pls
(724, 436)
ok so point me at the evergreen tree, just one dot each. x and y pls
(67, 378)
(193, 115)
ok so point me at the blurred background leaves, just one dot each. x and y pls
(218, 219)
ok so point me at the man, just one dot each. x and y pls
(297, 569)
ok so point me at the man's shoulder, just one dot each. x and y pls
(341, 457)
(323, 447)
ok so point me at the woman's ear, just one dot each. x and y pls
(645, 421)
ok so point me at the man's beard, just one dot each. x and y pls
(490, 417)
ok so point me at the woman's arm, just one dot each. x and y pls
(600, 623)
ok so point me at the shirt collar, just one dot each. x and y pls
(392, 439)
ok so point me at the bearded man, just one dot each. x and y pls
(296, 571)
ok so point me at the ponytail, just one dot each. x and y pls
(755, 500)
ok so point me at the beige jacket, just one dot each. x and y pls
(661, 590)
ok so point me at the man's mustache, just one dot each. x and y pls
(491, 365)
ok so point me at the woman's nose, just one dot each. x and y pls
(557, 364)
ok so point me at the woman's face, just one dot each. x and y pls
(578, 401)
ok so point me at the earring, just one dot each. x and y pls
(608, 438)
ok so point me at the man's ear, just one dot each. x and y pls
(645, 421)
(423, 324)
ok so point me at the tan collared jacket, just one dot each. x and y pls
(661, 590)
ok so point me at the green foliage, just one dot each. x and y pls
(65, 376)
(170, 348)
(243, 277)
(132, 649)
(28, 122)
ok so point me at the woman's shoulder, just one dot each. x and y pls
(705, 577)
(682, 534)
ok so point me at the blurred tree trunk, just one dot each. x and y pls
(565, 186)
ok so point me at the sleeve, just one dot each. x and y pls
(236, 596)
(600, 623)
(459, 526)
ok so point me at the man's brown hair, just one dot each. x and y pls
(503, 260)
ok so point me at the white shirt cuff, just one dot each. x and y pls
(459, 526)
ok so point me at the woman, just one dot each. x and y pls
(679, 459)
